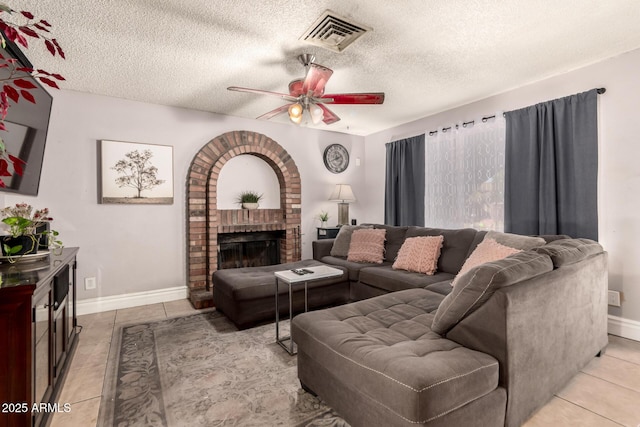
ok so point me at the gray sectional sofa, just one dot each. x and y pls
(368, 280)
(488, 352)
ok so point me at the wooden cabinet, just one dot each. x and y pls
(37, 336)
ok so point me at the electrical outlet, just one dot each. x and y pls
(89, 283)
(614, 298)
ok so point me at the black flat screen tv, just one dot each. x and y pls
(27, 124)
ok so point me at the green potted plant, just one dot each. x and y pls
(24, 237)
(323, 216)
(249, 199)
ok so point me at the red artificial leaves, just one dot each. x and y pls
(15, 86)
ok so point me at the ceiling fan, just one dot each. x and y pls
(308, 94)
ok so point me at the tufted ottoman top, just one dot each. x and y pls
(384, 348)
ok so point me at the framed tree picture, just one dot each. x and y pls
(135, 173)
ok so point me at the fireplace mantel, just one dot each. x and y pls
(250, 220)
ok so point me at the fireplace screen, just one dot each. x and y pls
(249, 249)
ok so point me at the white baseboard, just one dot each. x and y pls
(625, 328)
(116, 302)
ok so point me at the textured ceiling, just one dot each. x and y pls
(427, 56)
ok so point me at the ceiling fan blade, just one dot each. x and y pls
(316, 79)
(271, 114)
(264, 92)
(295, 87)
(355, 98)
(329, 116)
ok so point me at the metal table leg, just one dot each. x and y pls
(277, 314)
(290, 319)
(282, 340)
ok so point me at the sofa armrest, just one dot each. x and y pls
(542, 331)
(322, 248)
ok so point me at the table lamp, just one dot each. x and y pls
(343, 195)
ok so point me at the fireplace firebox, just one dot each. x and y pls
(249, 249)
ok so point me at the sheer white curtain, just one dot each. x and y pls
(464, 175)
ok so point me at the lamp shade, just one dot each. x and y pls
(342, 193)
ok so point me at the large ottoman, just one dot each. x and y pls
(378, 363)
(247, 295)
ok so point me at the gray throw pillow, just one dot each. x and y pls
(515, 241)
(343, 239)
(476, 286)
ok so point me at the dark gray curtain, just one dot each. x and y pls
(551, 166)
(404, 184)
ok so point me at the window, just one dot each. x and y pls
(464, 176)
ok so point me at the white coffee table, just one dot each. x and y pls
(292, 279)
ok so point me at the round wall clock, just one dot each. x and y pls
(336, 158)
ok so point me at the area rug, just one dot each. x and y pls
(199, 370)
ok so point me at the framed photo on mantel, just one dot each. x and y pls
(135, 173)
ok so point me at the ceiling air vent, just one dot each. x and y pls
(334, 32)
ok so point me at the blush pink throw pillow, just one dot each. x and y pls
(419, 254)
(488, 250)
(367, 245)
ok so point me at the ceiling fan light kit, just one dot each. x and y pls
(307, 94)
(295, 113)
(316, 114)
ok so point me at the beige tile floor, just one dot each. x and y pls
(605, 393)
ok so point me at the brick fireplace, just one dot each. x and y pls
(205, 221)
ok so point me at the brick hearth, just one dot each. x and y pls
(205, 220)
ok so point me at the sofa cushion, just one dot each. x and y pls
(488, 250)
(384, 347)
(352, 267)
(385, 277)
(343, 239)
(477, 285)
(443, 288)
(569, 251)
(367, 246)
(419, 254)
(455, 246)
(516, 241)
(395, 238)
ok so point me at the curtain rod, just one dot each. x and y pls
(599, 91)
(464, 125)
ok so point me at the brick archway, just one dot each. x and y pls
(205, 220)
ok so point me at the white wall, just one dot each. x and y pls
(247, 173)
(619, 174)
(136, 248)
